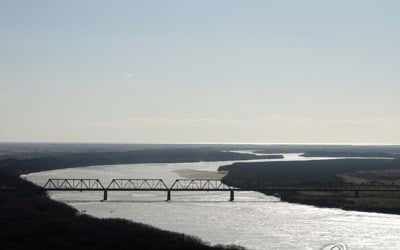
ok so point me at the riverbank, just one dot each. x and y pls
(254, 220)
(323, 173)
(71, 160)
(200, 174)
(28, 219)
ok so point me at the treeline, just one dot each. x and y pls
(29, 220)
(306, 173)
(348, 154)
(22, 166)
(351, 150)
(319, 173)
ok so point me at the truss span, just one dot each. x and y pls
(200, 184)
(137, 184)
(73, 184)
(195, 185)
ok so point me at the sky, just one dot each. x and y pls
(220, 71)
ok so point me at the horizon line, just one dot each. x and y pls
(210, 143)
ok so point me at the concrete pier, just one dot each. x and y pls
(232, 198)
(168, 195)
(44, 193)
(105, 195)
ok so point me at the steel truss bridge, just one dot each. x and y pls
(196, 185)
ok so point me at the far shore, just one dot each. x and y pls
(336, 172)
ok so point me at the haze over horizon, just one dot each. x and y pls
(205, 71)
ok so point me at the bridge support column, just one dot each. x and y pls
(44, 193)
(357, 193)
(105, 195)
(168, 195)
(232, 198)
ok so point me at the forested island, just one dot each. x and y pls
(324, 173)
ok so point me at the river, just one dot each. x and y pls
(253, 220)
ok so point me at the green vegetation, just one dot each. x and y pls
(323, 173)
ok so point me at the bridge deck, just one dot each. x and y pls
(193, 185)
(276, 189)
(190, 185)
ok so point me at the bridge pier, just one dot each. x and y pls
(168, 195)
(232, 198)
(357, 193)
(45, 193)
(105, 195)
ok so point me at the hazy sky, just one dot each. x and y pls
(200, 71)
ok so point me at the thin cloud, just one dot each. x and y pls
(128, 75)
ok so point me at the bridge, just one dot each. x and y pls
(196, 185)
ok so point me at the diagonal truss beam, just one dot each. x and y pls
(200, 184)
(137, 184)
(73, 184)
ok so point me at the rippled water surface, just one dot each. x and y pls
(253, 220)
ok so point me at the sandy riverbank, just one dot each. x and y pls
(200, 174)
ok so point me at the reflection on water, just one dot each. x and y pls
(254, 220)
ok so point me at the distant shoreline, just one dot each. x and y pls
(71, 160)
(200, 174)
(327, 172)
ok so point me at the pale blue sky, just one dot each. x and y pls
(200, 71)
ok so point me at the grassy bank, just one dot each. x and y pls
(323, 173)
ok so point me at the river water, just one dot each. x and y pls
(253, 220)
